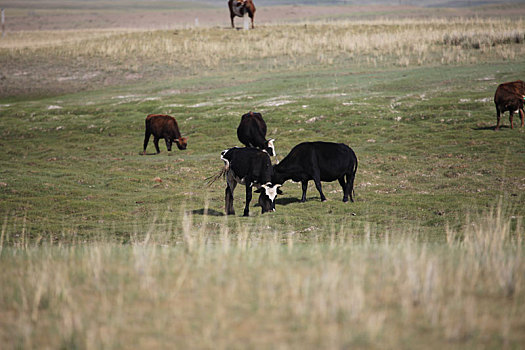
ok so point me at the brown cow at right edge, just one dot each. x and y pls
(509, 97)
(165, 127)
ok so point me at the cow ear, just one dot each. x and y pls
(259, 190)
(279, 192)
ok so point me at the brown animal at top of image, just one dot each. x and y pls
(239, 8)
(165, 127)
(510, 97)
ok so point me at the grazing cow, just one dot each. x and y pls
(252, 133)
(163, 127)
(240, 7)
(250, 167)
(318, 161)
(509, 97)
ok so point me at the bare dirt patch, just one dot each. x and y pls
(164, 19)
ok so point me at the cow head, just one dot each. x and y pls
(181, 143)
(268, 193)
(270, 148)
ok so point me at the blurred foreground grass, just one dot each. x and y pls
(261, 288)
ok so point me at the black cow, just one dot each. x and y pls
(252, 133)
(318, 161)
(509, 97)
(250, 167)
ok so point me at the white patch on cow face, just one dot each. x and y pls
(271, 191)
(270, 145)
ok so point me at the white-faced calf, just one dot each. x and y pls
(250, 167)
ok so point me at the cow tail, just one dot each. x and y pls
(222, 173)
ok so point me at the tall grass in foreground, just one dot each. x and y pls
(255, 288)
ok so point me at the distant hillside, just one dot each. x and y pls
(425, 3)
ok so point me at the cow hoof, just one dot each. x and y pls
(345, 200)
(323, 200)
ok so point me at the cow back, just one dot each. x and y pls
(162, 125)
(509, 90)
(329, 160)
(248, 163)
(252, 130)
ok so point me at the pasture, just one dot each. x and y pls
(101, 247)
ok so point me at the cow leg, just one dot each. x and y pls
(168, 144)
(522, 116)
(498, 116)
(251, 17)
(248, 199)
(511, 116)
(317, 182)
(304, 184)
(146, 141)
(156, 143)
(228, 199)
(350, 185)
(231, 17)
(345, 190)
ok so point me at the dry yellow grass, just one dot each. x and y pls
(261, 289)
(120, 56)
(211, 46)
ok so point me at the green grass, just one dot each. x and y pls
(425, 156)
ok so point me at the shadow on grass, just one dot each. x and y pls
(493, 128)
(288, 200)
(209, 212)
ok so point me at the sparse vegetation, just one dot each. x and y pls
(101, 247)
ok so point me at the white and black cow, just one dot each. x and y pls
(252, 133)
(318, 161)
(250, 167)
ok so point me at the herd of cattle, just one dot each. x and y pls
(318, 161)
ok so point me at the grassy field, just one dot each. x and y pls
(101, 247)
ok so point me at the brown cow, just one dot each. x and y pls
(509, 97)
(240, 7)
(165, 127)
